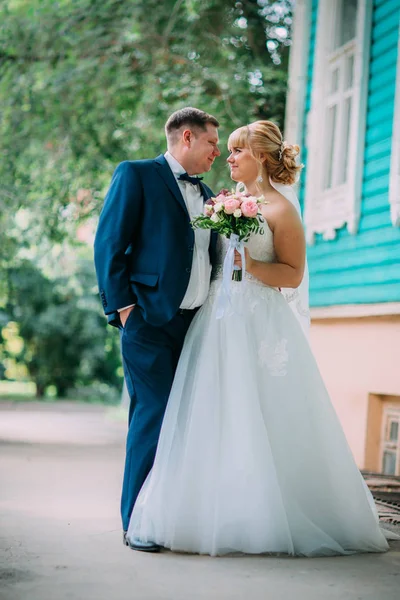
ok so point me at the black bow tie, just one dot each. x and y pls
(192, 180)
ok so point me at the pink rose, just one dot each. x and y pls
(231, 205)
(249, 208)
(208, 209)
(241, 196)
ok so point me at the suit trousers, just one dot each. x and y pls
(150, 356)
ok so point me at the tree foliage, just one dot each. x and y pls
(87, 84)
(65, 339)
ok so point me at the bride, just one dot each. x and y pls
(252, 457)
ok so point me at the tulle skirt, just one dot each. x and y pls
(252, 457)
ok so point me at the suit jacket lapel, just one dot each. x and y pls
(204, 191)
(214, 234)
(169, 178)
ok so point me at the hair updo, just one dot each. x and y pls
(264, 137)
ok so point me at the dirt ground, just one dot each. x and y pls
(60, 537)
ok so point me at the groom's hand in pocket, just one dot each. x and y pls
(124, 314)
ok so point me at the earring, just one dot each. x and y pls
(259, 179)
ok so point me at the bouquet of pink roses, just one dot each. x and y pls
(234, 215)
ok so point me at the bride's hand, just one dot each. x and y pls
(249, 260)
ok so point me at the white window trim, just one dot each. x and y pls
(329, 210)
(298, 67)
(394, 182)
(354, 311)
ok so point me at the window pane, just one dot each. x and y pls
(344, 152)
(394, 431)
(349, 72)
(389, 463)
(334, 81)
(345, 22)
(331, 128)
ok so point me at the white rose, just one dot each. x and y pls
(218, 206)
(215, 218)
(237, 213)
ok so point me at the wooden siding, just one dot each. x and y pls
(364, 268)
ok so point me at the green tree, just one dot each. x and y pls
(65, 339)
(85, 84)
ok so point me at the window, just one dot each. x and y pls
(336, 124)
(394, 186)
(339, 99)
(390, 444)
(345, 26)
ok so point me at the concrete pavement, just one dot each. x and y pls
(60, 538)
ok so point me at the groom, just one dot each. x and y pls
(153, 273)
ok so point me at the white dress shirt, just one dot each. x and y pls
(199, 281)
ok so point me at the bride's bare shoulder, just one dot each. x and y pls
(277, 207)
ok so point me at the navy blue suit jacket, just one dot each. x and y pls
(144, 242)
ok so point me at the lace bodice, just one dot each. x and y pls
(260, 246)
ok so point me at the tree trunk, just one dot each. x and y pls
(40, 390)
(61, 391)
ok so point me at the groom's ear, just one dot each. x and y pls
(187, 137)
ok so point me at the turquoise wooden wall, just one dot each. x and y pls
(363, 268)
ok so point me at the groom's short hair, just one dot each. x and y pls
(190, 117)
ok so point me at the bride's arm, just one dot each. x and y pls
(290, 250)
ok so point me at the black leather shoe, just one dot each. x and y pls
(136, 544)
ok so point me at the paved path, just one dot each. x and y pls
(60, 539)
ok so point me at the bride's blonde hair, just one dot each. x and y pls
(264, 137)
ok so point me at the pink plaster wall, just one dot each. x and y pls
(357, 357)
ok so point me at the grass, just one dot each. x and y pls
(20, 391)
(17, 390)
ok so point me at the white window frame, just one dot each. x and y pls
(394, 182)
(298, 65)
(390, 414)
(327, 210)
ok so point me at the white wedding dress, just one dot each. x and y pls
(252, 457)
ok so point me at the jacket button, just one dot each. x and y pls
(188, 269)
(190, 248)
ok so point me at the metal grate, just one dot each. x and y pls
(386, 492)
